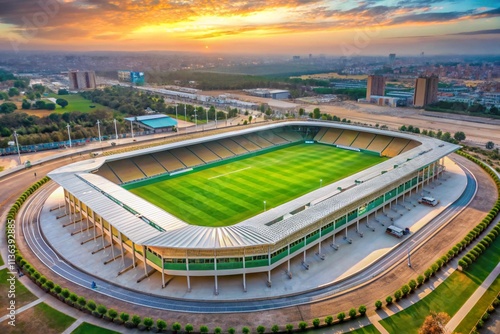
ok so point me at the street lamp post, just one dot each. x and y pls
(99, 130)
(320, 182)
(69, 134)
(176, 112)
(226, 117)
(207, 116)
(116, 130)
(409, 259)
(264, 205)
(196, 122)
(132, 128)
(185, 116)
(17, 145)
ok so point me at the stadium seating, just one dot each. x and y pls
(379, 143)
(363, 140)
(272, 137)
(255, 138)
(290, 136)
(204, 153)
(395, 147)
(187, 157)
(149, 165)
(346, 138)
(247, 144)
(107, 173)
(320, 134)
(331, 136)
(412, 144)
(220, 150)
(126, 170)
(168, 161)
(233, 146)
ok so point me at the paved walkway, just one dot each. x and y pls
(472, 301)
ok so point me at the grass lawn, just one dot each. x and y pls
(38, 319)
(85, 328)
(1, 260)
(449, 296)
(76, 103)
(231, 192)
(478, 310)
(23, 295)
(370, 329)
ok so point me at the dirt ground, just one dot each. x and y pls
(378, 289)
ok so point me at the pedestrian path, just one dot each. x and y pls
(472, 301)
(24, 308)
(375, 320)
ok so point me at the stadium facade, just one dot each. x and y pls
(93, 195)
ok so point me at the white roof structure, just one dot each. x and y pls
(146, 224)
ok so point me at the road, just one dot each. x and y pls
(30, 215)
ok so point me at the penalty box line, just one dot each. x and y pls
(235, 171)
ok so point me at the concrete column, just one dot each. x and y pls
(288, 257)
(112, 241)
(269, 264)
(145, 260)
(305, 244)
(216, 278)
(133, 255)
(162, 272)
(319, 243)
(187, 277)
(121, 247)
(244, 273)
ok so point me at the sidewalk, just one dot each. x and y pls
(471, 302)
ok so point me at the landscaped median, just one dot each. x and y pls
(456, 288)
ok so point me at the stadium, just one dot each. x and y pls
(246, 201)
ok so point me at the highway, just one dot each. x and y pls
(29, 218)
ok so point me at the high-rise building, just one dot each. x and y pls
(79, 80)
(392, 58)
(426, 89)
(375, 85)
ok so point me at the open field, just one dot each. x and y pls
(449, 296)
(85, 328)
(23, 295)
(228, 193)
(76, 103)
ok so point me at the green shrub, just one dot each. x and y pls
(289, 328)
(316, 322)
(148, 322)
(388, 300)
(124, 316)
(275, 329)
(65, 293)
(36, 275)
(204, 329)
(112, 313)
(81, 301)
(189, 328)
(161, 324)
(427, 274)
(405, 290)
(462, 263)
(218, 330)
(136, 320)
(420, 280)
(261, 329)
(50, 284)
(341, 316)
(434, 267)
(397, 295)
(302, 325)
(329, 320)
(102, 309)
(485, 316)
(378, 304)
(362, 310)
(73, 297)
(352, 313)
(412, 284)
(91, 305)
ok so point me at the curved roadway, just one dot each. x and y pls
(30, 218)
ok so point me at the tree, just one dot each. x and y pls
(203, 329)
(13, 91)
(7, 108)
(50, 106)
(362, 310)
(446, 136)
(289, 328)
(161, 324)
(26, 105)
(378, 304)
(434, 323)
(275, 329)
(231, 330)
(261, 329)
(316, 322)
(490, 145)
(316, 113)
(188, 328)
(217, 330)
(62, 102)
(402, 128)
(494, 111)
(329, 320)
(397, 295)
(124, 316)
(341, 316)
(352, 313)
(301, 112)
(302, 325)
(148, 322)
(62, 92)
(4, 96)
(40, 104)
(459, 136)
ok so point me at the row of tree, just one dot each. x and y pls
(475, 108)
(446, 136)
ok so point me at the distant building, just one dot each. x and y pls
(296, 58)
(276, 94)
(135, 78)
(392, 58)
(375, 86)
(155, 123)
(280, 94)
(426, 89)
(80, 80)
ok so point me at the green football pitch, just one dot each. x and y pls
(228, 193)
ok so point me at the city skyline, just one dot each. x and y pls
(344, 28)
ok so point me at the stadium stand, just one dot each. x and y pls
(107, 173)
(272, 137)
(395, 147)
(168, 161)
(379, 143)
(233, 146)
(255, 138)
(148, 165)
(218, 149)
(126, 170)
(412, 144)
(331, 136)
(320, 134)
(247, 144)
(290, 136)
(204, 153)
(363, 140)
(346, 138)
(187, 157)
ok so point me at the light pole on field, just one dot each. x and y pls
(17, 145)
(196, 122)
(116, 130)
(132, 128)
(409, 259)
(99, 130)
(320, 182)
(264, 205)
(185, 116)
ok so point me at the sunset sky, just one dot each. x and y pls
(336, 27)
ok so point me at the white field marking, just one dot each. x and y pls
(235, 171)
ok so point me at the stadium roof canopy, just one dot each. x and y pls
(144, 223)
(157, 121)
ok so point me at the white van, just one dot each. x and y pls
(428, 201)
(394, 230)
